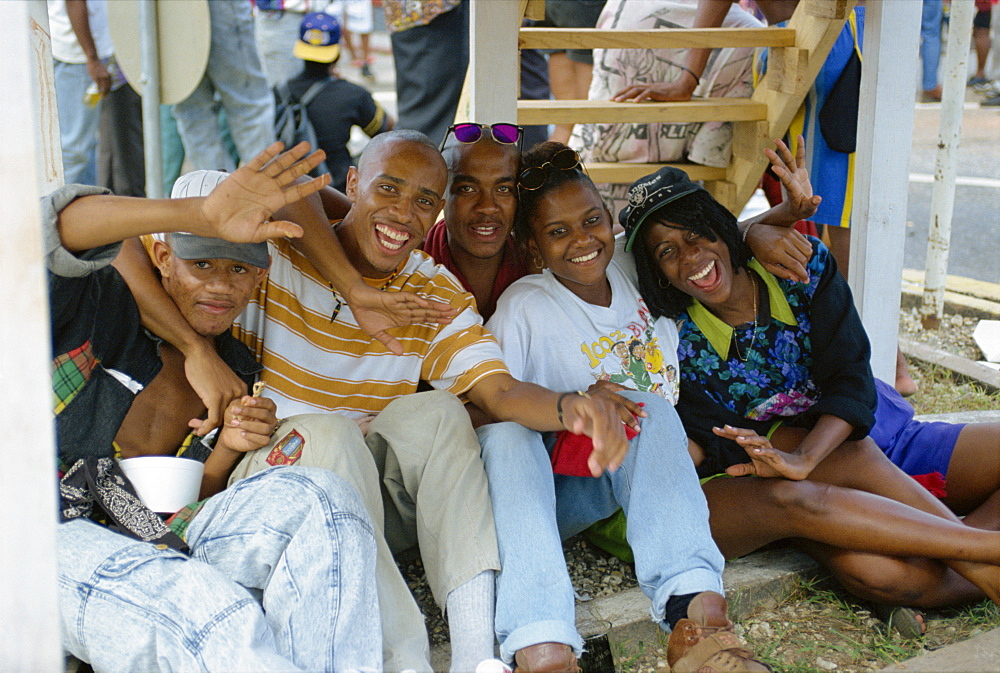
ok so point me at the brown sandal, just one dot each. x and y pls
(705, 642)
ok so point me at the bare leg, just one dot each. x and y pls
(748, 512)
(913, 582)
(974, 470)
(981, 39)
(840, 246)
(904, 385)
(863, 466)
(835, 525)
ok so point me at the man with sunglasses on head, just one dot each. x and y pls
(414, 457)
(474, 241)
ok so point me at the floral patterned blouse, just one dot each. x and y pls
(806, 356)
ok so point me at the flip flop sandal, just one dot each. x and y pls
(909, 623)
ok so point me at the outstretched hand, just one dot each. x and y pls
(598, 418)
(800, 202)
(765, 460)
(628, 410)
(377, 312)
(239, 209)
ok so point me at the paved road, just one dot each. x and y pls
(975, 237)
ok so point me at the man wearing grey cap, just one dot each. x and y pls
(138, 593)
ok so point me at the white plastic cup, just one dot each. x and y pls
(165, 484)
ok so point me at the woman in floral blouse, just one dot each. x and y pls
(776, 391)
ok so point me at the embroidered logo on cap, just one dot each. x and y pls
(316, 37)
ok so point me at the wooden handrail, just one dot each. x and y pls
(599, 111)
(660, 38)
(626, 173)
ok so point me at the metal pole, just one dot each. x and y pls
(949, 134)
(149, 42)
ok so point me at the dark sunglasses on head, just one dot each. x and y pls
(470, 132)
(534, 177)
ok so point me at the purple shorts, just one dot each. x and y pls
(916, 447)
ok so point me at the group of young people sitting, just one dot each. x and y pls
(611, 374)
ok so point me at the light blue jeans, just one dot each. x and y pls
(280, 579)
(77, 122)
(930, 42)
(235, 75)
(535, 510)
(277, 32)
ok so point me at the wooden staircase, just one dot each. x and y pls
(796, 54)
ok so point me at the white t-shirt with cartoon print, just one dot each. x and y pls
(551, 337)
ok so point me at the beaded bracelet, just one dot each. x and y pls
(747, 231)
(559, 409)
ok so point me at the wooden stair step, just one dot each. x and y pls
(659, 38)
(627, 173)
(590, 111)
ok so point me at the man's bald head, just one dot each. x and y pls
(380, 143)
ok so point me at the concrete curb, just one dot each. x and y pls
(979, 654)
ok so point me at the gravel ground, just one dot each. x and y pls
(806, 633)
(954, 335)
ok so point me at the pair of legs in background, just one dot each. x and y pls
(535, 510)
(279, 579)
(421, 479)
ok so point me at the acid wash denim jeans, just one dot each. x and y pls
(535, 510)
(280, 579)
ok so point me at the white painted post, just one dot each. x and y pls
(29, 639)
(885, 133)
(956, 63)
(50, 168)
(494, 61)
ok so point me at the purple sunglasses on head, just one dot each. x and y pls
(470, 132)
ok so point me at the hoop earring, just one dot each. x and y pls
(539, 264)
(659, 281)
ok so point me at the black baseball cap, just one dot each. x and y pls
(649, 194)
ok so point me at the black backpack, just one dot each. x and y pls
(291, 122)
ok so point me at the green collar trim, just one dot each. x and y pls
(719, 334)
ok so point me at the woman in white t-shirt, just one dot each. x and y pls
(581, 322)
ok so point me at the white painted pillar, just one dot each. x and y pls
(494, 61)
(885, 134)
(956, 63)
(50, 167)
(29, 637)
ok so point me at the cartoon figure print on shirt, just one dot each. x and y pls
(632, 357)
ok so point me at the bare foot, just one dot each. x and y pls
(905, 385)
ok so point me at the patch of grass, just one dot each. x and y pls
(821, 627)
(941, 391)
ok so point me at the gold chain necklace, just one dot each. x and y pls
(753, 337)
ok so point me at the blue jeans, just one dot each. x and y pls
(279, 579)
(930, 42)
(277, 32)
(535, 510)
(235, 75)
(77, 122)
